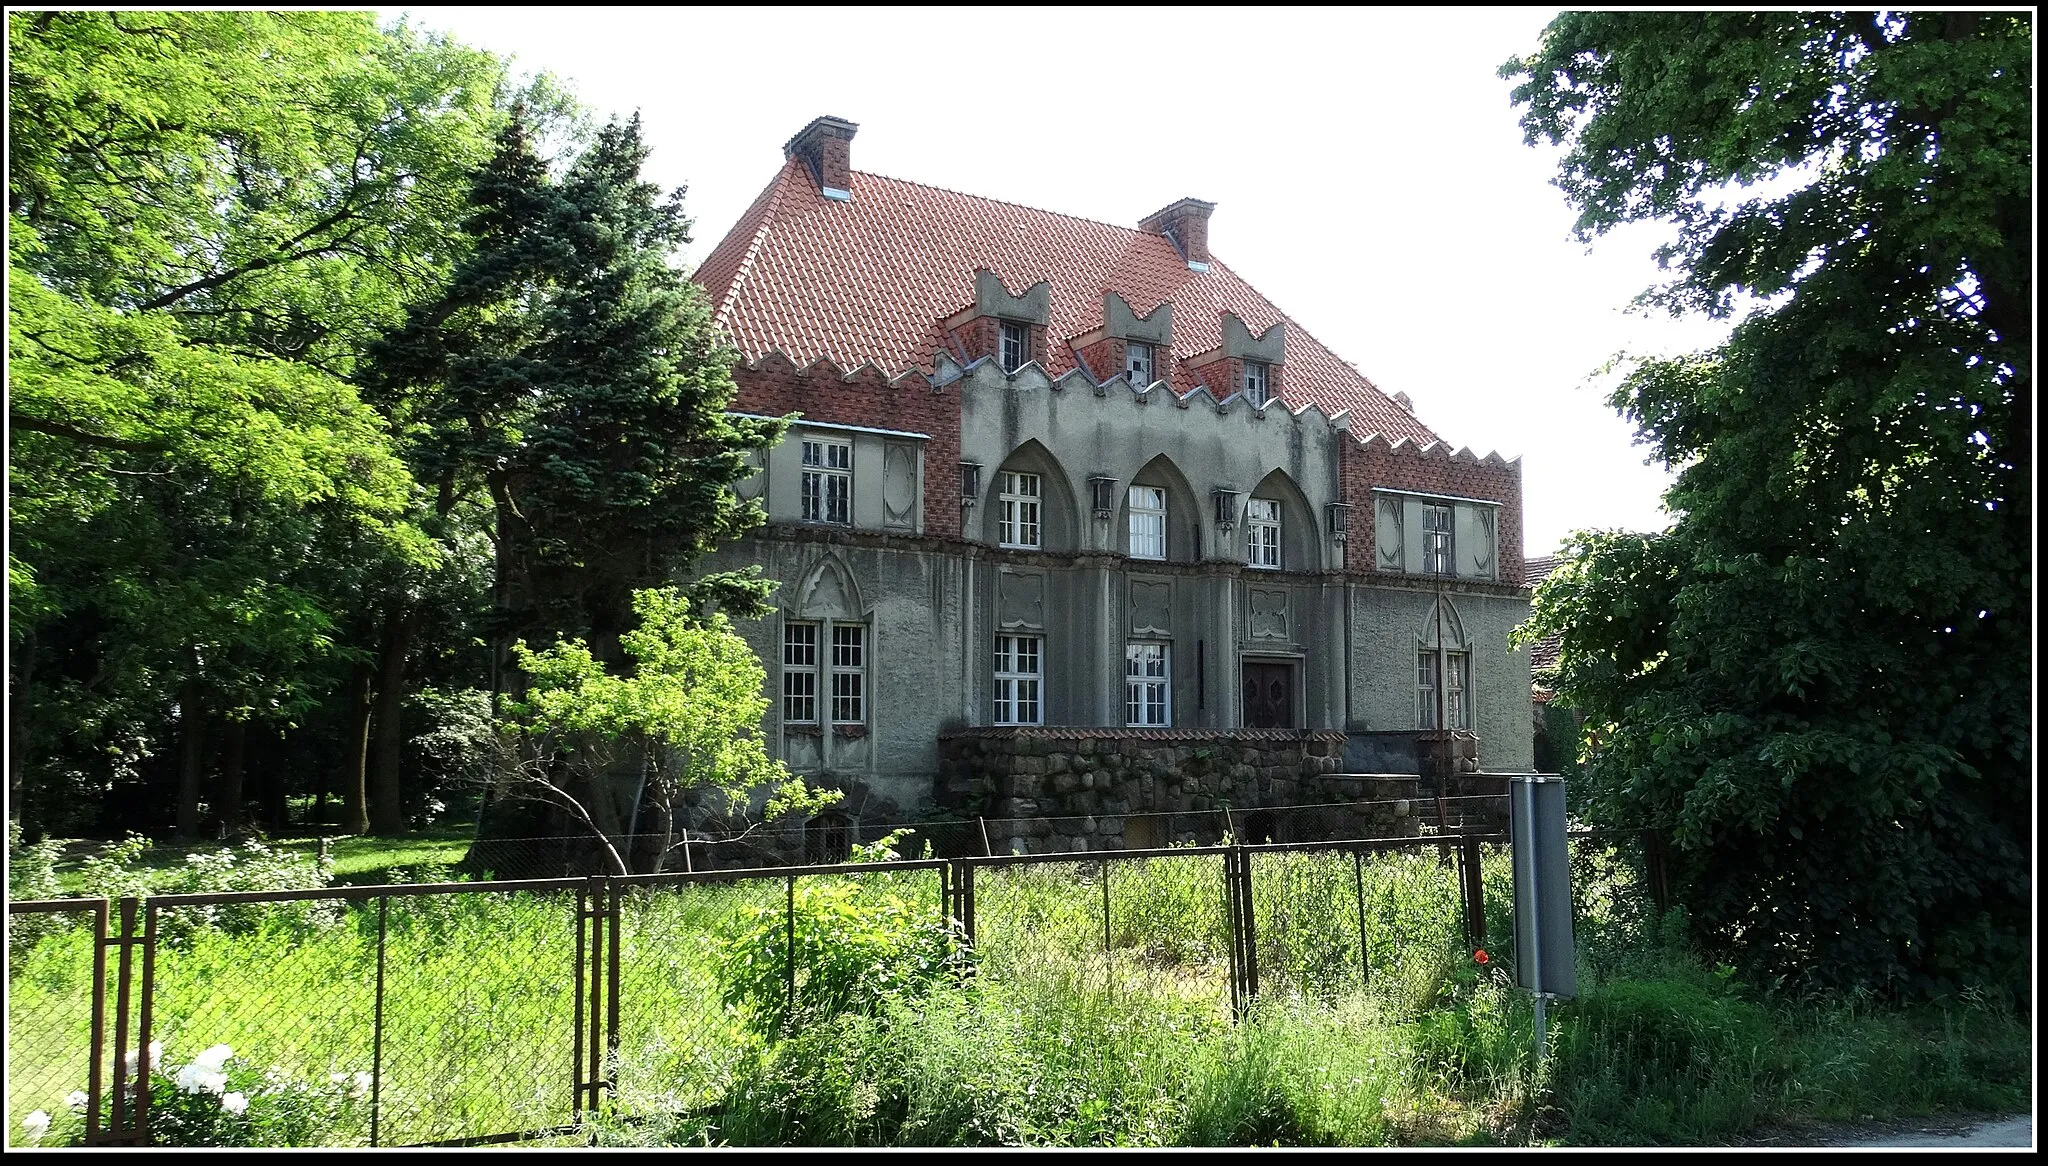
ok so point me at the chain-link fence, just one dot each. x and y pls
(466, 1013)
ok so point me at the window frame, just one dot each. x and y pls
(1430, 559)
(1258, 390)
(1432, 664)
(857, 672)
(798, 670)
(1011, 502)
(1135, 512)
(816, 485)
(1137, 700)
(1255, 528)
(1005, 331)
(1011, 679)
(1151, 362)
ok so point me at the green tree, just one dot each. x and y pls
(687, 717)
(570, 375)
(210, 213)
(1817, 679)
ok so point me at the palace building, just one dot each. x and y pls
(1064, 490)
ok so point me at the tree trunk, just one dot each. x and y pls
(229, 809)
(23, 661)
(355, 747)
(276, 809)
(387, 807)
(192, 759)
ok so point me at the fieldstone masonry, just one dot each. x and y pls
(1080, 789)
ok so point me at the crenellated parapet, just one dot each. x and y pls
(1390, 484)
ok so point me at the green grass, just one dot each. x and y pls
(359, 860)
(1389, 1035)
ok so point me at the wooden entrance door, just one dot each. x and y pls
(1268, 696)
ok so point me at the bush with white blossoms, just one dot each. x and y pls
(220, 1099)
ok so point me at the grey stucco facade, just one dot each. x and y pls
(1342, 643)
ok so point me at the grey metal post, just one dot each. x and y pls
(1544, 948)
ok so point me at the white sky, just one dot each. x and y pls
(1368, 169)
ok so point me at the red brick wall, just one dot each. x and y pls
(823, 393)
(1434, 471)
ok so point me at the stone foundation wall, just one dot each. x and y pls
(1048, 790)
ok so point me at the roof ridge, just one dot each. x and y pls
(776, 186)
(1008, 202)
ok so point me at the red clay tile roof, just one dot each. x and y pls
(1542, 653)
(871, 280)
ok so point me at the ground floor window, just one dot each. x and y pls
(807, 671)
(1148, 685)
(1019, 674)
(1430, 665)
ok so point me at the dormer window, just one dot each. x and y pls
(1015, 346)
(827, 481)
(1257, 378)
(1138, 362)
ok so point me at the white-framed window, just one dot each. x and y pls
(1148, 685)
(828, 481)
(1257, 381)
(1148, 522)
(1019, 675)
(1138, 362)
(1019, 504)
(1436, 539)
(849, 673)
(1262, 533)
(1429, 664)
(1015, 346)
(800, 673)
(829, 665)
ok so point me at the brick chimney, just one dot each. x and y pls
(1187, 224)
(825, 146)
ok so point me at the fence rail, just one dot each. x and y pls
(449, 1014)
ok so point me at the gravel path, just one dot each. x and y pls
(1958, 1131)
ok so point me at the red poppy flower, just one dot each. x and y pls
(1479, 957)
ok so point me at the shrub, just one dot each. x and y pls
(857, 944)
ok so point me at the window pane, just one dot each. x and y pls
(799, 672)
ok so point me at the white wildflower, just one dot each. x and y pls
(76, 1099)
(234, 1102)
(156, 1056)
(196, 1078)
(37, 1124)
(337, 1078)
(362, 1087)
(213, 1059)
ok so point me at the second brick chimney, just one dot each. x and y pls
(1187, 224)
(825, 145)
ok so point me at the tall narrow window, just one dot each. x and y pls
(1436, 539)
(1018, 521)
(828, 481)
(800, 673)
(1138, 362)
(1257, 381)
(1262, 533)
(1148, 522)
(1018, 675)
(1148, 687)
(1016, 346)
(849, 674)
(1458, 667)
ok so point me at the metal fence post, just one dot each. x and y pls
(611, 983)
(789, 952)
(95, 1080)
(377, 1021)
(143, 1022)
(118, 1126)
(1358, 888)
(1475, 891)
(577, 974)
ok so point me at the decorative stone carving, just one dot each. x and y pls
(1150, 607)
(803, 751)
(829, 592)
(899, 484)
(1387, 533)
(1483, 542)
(1020, 599)
(754, 485)
(1268, 614)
